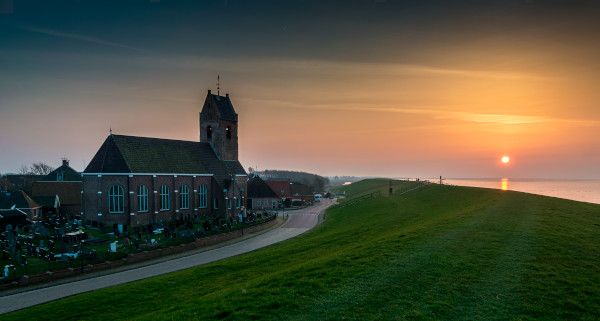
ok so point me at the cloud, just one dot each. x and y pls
(78, 37)
(497, 119)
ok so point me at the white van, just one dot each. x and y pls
(318, 197)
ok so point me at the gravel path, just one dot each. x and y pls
(298, 222)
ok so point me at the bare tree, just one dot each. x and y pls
(24, 170)
(41, 168)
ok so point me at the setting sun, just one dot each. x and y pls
(505, 159)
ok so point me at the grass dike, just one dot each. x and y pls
(437, 252)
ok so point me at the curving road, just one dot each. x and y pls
(298, 222)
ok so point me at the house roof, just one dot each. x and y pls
(69, 174)
(225, 107)
(16, 198)
(257, 188)
(298, 189)
(278, 186)
(11, 214)
(132, 154)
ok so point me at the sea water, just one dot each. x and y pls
(578, 190)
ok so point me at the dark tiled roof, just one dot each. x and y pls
(108, 159)
(257, 188)
(277, 186)
(11, 214)
(226, 107)
(131, 154)
(47, 201)
(18, 198)
(69, 193)
(69, 175)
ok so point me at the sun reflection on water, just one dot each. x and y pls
(504, 184)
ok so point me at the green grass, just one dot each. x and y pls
(439, 252)
(364, 186)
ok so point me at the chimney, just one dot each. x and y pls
(65, 162)
(209, 91)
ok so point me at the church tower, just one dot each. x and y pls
(219, 126)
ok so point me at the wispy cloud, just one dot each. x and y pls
(78, 37)
(497, 119)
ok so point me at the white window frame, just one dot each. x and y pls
(203, 195)
(185, 197)
(116, 199)
(165, 199)
(143, 198)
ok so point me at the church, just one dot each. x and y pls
(140, 180)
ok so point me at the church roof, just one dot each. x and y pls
(131, 154)
(225, 107)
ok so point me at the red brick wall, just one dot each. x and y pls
(95, 203)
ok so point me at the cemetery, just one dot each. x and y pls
(60, 247)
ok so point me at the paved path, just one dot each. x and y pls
(298, 222)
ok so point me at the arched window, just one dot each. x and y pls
(143, 198)
(185, 197)
(209, 132)
(165, 201)
(228, 132)
(202, 193)
(215, 203)
(116, 199)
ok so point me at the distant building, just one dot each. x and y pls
(302, 192)
(59, 192)
(139, 180)
(282, 189)
(21, 182)
(261, 196)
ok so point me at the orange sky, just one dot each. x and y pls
(392, 89)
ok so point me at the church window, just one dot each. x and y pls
(60, 176)
(229, 204)
(209, 132)
(215, 203)
(116, 199)
(239, 203)
(143, 198)
(165, 202)
(228, 131)
(185, 197)
(203, 196)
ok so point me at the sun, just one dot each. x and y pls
(505, 159)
